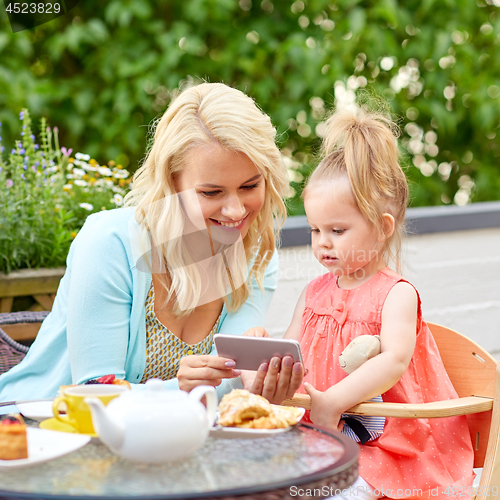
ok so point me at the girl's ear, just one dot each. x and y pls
(388, 226)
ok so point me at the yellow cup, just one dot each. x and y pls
(77, 412)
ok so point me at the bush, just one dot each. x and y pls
(105, 70)
(46, 195)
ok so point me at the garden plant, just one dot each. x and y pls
(46, 195)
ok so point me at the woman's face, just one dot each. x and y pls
(228, 186)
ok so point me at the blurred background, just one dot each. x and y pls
(102, 73)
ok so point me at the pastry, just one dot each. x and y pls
(13, 440)
(241, 408)
(279, 418)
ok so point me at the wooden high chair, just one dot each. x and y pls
(475, 374)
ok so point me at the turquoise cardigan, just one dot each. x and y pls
(97, 325)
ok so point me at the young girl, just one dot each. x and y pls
(355, 204)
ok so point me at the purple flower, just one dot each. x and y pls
(32, 137)
(21, 115)
(37, 163)
(36, 146)
(22, 176)
(25, 167)
(2, 149)
(9, 183)
(33, 168)
(13, 152)
(22, 151)
(66, 152)
(56, 129)
(41, 152)
(1, 169)
(22, 133)
(26, 159)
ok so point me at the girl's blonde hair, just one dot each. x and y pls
(208, 114)
(363, 146)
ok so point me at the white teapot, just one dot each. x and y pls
(155, 424)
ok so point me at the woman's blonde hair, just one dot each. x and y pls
(208, 114)
(363, 146)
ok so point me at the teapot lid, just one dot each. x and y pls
(153, 393)
(155, 388)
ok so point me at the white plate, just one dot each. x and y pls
(36, 410)
(243, 433)
(44, 445)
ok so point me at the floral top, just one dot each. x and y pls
(164, 350)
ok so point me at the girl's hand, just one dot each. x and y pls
(204, 370)
(323, 411)
(257, 331)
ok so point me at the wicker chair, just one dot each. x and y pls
(12, 352)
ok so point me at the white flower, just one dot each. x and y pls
(52, 169)
(118, 199)
(87, 206)
(120, 174)
(109, 184)
(105, 171)
(81, 183)
(79, 172)
(81, 156)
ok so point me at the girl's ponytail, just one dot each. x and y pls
(364, 147)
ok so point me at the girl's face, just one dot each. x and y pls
(229, 188)
(342, 239)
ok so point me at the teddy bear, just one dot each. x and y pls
(358, 351)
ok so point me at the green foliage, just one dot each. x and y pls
(105, 70)
(46, 196)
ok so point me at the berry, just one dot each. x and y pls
(107, 379)
(10, 421)
(91, 382)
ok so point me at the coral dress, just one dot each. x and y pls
(411, 454)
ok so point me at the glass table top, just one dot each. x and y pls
(233, 466)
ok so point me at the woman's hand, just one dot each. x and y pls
(204, 370)
(323, 411)
(277, 380)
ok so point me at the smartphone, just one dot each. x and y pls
(250, 352)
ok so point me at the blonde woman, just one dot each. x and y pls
(191, 254)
